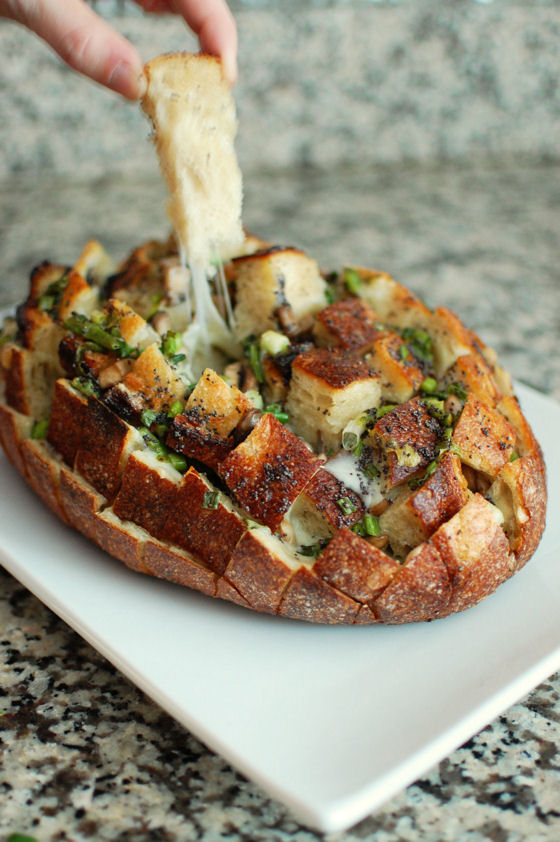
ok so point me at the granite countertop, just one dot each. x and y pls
(84, 754)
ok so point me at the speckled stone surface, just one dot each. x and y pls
(83, 754)
(320, 82)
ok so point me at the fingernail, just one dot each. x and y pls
(229, 66)
(142, 86)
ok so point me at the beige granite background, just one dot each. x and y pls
(320, 83)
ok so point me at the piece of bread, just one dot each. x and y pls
(192, 111)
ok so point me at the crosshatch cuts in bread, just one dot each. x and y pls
(338, 453)
(364, 460)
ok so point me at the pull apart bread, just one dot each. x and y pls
(351, 456)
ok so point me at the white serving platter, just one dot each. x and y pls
(332, 721)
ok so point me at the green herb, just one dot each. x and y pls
(371, 525)
(148, 417)
(371, 471)
(383, 410)
(276, 410)
(21, 837)
(171, 343)
(85, 386)
(458, 390)
(419, 342)
(105, 339)
(177, 461)
(175, 409)
(40, 429)
(251, 350)
(429, 385)
(352, 280)
(311, 550)
(211, 500)
(346, 505)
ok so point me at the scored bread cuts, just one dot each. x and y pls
(362, 459)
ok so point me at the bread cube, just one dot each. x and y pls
(475, 376)
(450, 339)
(267, 280)
(153, 378)
(147, 492)
(316, 513)
(476, 552)
(308, 597)
(217, 404)
(420, 590)
(190, 436)
(519, 492)
(355, 567)
(203, 521)
(94, 264)
(400, 374)
(78, 297)
(260, 567)
(29, 380)
(67, 420)
(483, 437)
(347, 324)
(105, 447)
(328, 389)
(178, 566)
(39, 332)
(396, 305)
(135, 331)
(41, 278)
(405, 440)
(14, 426)
(416, 514)
(267, 471)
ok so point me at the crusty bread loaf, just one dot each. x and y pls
(374, 503)
(193, 115)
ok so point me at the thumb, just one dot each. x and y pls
(86, 42)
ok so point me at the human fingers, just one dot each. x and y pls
(213, 23)
(84, 40)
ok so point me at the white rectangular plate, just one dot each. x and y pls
(332, 721)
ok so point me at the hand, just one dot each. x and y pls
(91, 46)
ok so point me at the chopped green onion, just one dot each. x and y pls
(177, 461)
(357, 452)
(429, 385)
(312, 550)
(171, 343)
(175, 409)
(148, 417)
(514, 457)
(404, 353)
(346, 505)
(352, 280)
(161, 431)
(329, 295)
(359, 529)
(46, 302)
(211, 500)
(177, 358)
(40, 429)
(154, 305)
(383, 410)
(371, 525)
(371, 471)
(21, 837)
(276, 410)
(274, 343)
(252, 352)
(352, 432)
(85, 387)
(458, 390)
(419, 342)
(153, 443)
